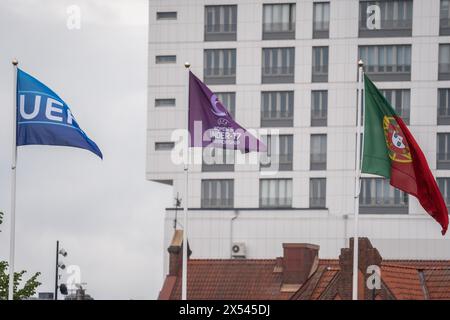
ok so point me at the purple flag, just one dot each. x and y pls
(210, 123)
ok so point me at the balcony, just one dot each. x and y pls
(443, 116)
(444, 27)
(318, 120)
(443, 161)
(275, 203)
(217, 203)
(320, 73)
(277, 119)
(383, 205)
(220, 32)
(389, 72)
(278, 74)
(220, 75)
(389, 28)
(318, 161)
(317, 203)
(278, 162)
(278, 31)
(444, 71)
(321, 30)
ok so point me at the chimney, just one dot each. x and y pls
(176, 253)
(300, 261)
(367, 256)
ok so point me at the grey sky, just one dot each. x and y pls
(106, 215)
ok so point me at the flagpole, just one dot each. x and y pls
(12, 233)
(357, 183)
(187, 65)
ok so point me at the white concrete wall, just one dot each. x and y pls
(184, 37)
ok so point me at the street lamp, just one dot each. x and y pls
(59, 265)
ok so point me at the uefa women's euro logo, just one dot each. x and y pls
(214, 107)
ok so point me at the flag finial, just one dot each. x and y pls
(15, 62)
(360, 63)
(187, 65)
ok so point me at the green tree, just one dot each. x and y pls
(29, 286)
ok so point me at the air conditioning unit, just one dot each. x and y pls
(238, 250)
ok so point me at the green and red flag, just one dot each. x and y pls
(391, 151)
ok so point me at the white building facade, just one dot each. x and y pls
(292, 66)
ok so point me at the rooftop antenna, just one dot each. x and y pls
(177, 205)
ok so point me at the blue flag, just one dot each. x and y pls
(44, 118)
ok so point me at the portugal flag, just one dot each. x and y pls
(391, 151)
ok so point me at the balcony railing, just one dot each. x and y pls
(220, 32)
(318, 161)
(444, 27)
(383, 205)
(220, 75)
(278, 31)
(217, 203)
(275, 202)
(271, 118)
(321, 29)
(317, 202)
(443, 160)
(443, 116)
(388, 28)
(281, 162)
(320, 73)
(389, 72)
(278, 74)
(318, 118)
(444, 71)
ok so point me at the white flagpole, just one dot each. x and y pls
(357, 182)
(187, 65)
(12, 233)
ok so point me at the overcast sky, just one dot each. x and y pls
(105, 214)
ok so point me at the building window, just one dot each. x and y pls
(172, 15)
(319, 108)
(278, 65)
(166, 59)
(320, 64)
(279, 21)
(216, 159)
(444, 62)
(318, 152)
(444, 186)
(443, 107)
(277, 109)
(443, 151)
(275, 193)
(164, 146)
(321, 20)
(395, 18)
(279, 153)
(220, 23)
(444, 26)
(220, 66)
(228, 100)
(317, 192)
(377, 196)
(165, 102)
(218, 193)
(387, 63)
(400, 100)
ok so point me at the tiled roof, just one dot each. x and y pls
(262, 279)
(403, 282)
(405, 279)
(438, 282)
(232, 279)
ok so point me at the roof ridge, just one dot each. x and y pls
(418, 267)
